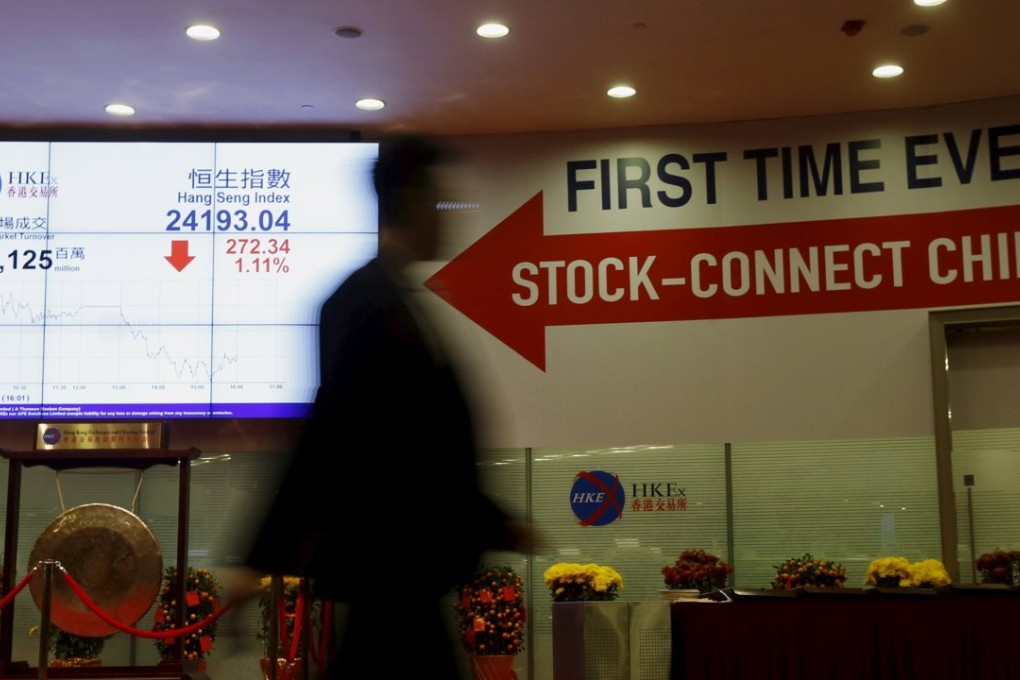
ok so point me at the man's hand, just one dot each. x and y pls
(242, 584)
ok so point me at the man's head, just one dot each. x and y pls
(407, 192)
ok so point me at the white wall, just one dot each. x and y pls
(772, 367)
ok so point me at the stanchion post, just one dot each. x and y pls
(44, 618)
(275, 596)
(305, 646)
(968, 481)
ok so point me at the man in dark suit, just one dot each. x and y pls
(380, 505)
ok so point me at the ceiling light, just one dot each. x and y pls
(120, 110)
(492, 30)
(370, 104)
(203, 32)
(349, 32)
(928, 3)
(621, 91)
(887, 71)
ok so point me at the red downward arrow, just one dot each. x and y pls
(178, 256)
(515, 281)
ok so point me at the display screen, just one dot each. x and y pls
(173, 279)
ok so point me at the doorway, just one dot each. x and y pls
(976, 398)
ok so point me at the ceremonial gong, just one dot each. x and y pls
(111, 554)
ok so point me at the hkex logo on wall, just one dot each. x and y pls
(597, 498)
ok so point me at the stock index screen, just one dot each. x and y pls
(173, 279)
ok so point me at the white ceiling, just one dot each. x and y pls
(278, 62)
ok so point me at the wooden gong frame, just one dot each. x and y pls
(136, 459)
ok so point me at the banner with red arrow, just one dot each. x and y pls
(516, 281)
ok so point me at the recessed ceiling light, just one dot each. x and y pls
(202, 32)
(370, 104)
(887, 71)
(621, 91)
(120, 110)
(349, 32)
(492, 30)
(928, 3)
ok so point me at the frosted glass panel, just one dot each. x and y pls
(991, 459)
(674, 498)
(847, 501)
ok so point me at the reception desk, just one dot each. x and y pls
(956, 634)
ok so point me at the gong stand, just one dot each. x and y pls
(135, 459)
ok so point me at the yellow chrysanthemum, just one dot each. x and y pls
(929, 573)
(884, 568)
(570, 581)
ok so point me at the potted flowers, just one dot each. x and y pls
(928, 574)
(70, 650)
(695, 571)
(798, 572)
(201, 600)
(888, 572)
(571, 582)
(1000, 566)
(898, 572)
(291, 611)
(491, 616)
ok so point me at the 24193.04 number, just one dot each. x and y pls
(227, 220)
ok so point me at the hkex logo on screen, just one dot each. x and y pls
(597, 498)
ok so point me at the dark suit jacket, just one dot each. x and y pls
(382, 489)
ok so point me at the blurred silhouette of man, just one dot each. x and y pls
(380, 506)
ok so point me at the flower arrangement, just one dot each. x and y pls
(808, 571)
(898, 572)
(70, 650)
(928, 574)
(294, 604)
(1000, 566)
(491, 613)
(202, 599)
(888, 572)
(570, 582)
(696, 568)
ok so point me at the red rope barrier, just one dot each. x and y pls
(316, 652)
(168, 634)
(16, 589)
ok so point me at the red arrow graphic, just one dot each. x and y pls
(515, 281)
(178, 256)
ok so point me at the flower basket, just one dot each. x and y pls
(1000, 566)
(493, 667)
(888, 572)
(571, 582)
(696, 569)
(929, 573)
(898, 572)
(806, 570)
(70, 650)
(201, 600)
(303, 624)
(285, 670)
(491, 614)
